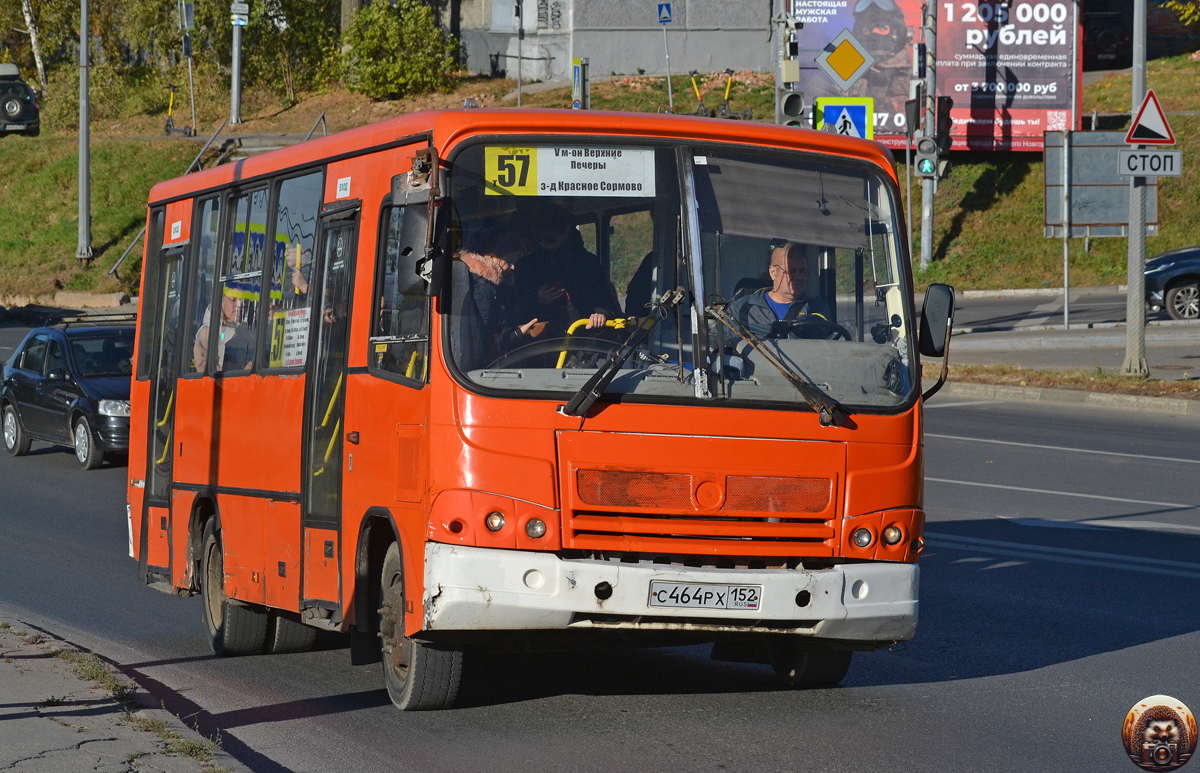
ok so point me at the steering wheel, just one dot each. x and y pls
(551, 348)
(814, 327)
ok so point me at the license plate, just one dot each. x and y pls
(678, 594)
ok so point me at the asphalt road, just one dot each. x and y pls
(1057, 590)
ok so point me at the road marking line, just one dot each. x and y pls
(1064, 555)
(1064, 448)
(955, 405)
(1093, 524)
(1172, 505)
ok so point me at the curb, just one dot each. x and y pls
(1083, 326)
(1036, 292)
(1003, 393)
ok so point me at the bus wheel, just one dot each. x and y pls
(798, 667)
(287, 635)
(233, 629)
(418, 676)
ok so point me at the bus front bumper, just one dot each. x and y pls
(471, 589)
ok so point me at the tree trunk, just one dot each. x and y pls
(348, 9)
(31, 25)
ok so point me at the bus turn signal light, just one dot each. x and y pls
(494, 521)
(892, 535)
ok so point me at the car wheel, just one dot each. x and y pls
(233, 629)
(418, 676)
(87, 452)
(12, 108)
(16, 442)
(1183, 301)
(798, 666)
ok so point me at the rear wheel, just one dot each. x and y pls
(87, 452)
(418, 676)
(1183, 301)
(16, 442)
(233, 629)
(797, 666)
(287, 635)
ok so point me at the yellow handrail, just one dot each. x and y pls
(615, 324)
(166, 451)
(412, 363)
(337, 390)
(167, 412)
(333, 440)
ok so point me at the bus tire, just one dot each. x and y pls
(799, 667)
(16, 442)
(233, 628)
(287, 635)
(418, 676)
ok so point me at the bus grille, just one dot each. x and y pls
(654, 512)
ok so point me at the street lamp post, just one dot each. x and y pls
(83, 251)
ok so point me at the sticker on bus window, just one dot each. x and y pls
(295, 338)
(573, 170)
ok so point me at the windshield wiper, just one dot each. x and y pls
(829, 411)
(582, 400)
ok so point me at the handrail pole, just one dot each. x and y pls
(204, 149)
(324, 126)
(113, 271)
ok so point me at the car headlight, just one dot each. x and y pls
(1159, 267)
(114, 407)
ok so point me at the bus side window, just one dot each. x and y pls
(241, 283)
(295, 235)
(146, 310)
(400, 323)
(201, 301)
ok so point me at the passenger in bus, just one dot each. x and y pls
(571, 282)
(769, 312)
(233, 339)
(490, 301)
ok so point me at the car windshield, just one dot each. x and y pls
(562, 251)
(102, 355)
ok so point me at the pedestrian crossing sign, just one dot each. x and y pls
(664, 13)
(847, 116)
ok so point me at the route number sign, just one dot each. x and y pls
(573, 170)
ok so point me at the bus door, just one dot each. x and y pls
(164, 371)
(324, 426)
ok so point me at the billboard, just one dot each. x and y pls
(1012, 68)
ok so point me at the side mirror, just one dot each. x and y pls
(937, 322)
(56, 374)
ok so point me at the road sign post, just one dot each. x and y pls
(83, 250)
(929, 184)
(664, 18)
(187, 21)
(238, 17)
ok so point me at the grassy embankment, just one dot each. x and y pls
(1085, 380)
(988, 229)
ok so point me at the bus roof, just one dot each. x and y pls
(448, 127)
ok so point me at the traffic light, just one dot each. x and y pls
(927, 161)
(788, 106)
(944, 123)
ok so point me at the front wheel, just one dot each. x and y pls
(1183, 301)
(233, 629)
(16, 442)
(87, 453)
(418, 676)
(799, 667)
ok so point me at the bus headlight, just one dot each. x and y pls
(535, 528)
(494, 521)
(862, 537)
(892, 535)
(114, 407)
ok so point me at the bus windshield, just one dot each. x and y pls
(561, 251)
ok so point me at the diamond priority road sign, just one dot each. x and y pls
(845, 60)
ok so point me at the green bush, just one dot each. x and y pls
(397, 52)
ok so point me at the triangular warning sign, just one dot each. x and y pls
(845, 125)
(1150, 127)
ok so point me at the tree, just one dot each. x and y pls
(394, 52)
(1188, 10)
(32, 27)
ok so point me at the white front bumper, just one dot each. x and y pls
(471, 589)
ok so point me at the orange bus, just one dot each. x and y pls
(536, 378)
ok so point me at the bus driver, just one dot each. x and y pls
(769, 312)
